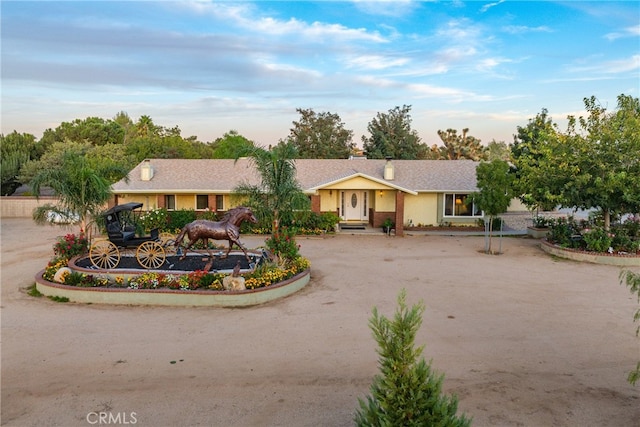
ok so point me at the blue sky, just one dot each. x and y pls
(212, 66)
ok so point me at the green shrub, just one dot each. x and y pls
(597, 240)
(178, 219)
(283, 244)
(156, 218)
(407, 392)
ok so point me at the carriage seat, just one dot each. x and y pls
(114, 233)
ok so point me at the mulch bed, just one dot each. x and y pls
(190, 263)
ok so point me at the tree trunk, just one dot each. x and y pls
(606, 214)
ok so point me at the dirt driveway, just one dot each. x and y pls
(523, 339)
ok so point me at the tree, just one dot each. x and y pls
(279, 195)
(498, 150)
(632, 280)
(605, 152)
(15, 151)
(232, 145)
(392, 136)
(496, 191)
(93, 130)
(82, 190)
(531, 152)
(463, 146)
(407, 392)
(321, 136)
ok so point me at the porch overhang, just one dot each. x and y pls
(380, 184)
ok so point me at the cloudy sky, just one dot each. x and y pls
(212, 66)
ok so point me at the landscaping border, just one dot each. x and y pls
(172, 297)
(596, 258)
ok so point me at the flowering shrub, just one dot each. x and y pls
(53, 266)
(283, 244)
(269, 274)
(155, 218)
(70, 245)
(597, 240)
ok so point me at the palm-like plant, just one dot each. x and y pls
(82, 190)
(279, 195)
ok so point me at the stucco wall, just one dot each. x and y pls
(421, 209)
(22, 206)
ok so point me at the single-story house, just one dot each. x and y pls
(368, 191)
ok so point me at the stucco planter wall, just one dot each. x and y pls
(596, 258)
(537, 233)
(170, 297)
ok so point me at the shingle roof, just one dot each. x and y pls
(223, 175)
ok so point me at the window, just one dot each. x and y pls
(170, 202)
(456, 205)
(219, 202)
(202, 202)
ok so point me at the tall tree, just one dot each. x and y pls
(82, 190)
(495, 183)
(391, 136)
(279, 195)
(533, 146)
(232, 145)
(463, 146)
(605, 153)
(321, 136)
(16, 149)
(498, 150)
(94, 130)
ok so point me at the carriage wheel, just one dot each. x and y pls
(104, 254)
(150, 255)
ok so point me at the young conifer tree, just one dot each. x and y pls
(407, 392)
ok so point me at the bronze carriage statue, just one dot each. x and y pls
(122, 225)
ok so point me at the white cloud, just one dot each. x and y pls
(633, 31)
(246, 17)
(488, 6)
(521, 29)
(375, 62)
(611, 67)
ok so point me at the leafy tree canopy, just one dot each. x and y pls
(391, 136)
(321, 136)
(279, 195)
(232, 145)
(16, 149)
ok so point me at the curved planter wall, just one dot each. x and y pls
(596, 258)
(170, 297)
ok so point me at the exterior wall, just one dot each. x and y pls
(517, 206)
(315, 204)
(185, 201)
(385, 201)
(22, 206)
(150, 201)
(329, 200)
(421, 209)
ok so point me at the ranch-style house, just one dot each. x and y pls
(358, 190)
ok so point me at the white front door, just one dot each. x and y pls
(354, 205)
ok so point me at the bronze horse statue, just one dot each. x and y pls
(228, 228)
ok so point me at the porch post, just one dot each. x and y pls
(399, 220)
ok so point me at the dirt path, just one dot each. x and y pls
(523, 339)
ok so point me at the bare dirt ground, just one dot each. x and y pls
(523, 340)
